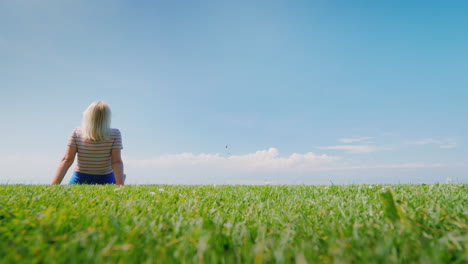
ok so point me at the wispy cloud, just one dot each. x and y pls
(28, 168)
(394, 166)
(355, 149)
(443, 143)
(404, 166)
(259, 160)
(425, 141)
(251, 168)
(269, 160)
(449, 146)
(355, 140)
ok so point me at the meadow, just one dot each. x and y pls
(234, 224)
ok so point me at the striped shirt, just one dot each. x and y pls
(95, 157)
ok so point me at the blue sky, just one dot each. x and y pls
(300, 91)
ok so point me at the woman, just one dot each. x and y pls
(98, 147)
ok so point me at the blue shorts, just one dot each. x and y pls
(84, 178)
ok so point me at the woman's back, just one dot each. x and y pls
(98, 147)
(95, 157)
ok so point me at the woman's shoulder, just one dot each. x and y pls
(115, 131)
(77, 130)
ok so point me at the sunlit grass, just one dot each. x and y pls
(234, 224)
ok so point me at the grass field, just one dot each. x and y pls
(234, 224)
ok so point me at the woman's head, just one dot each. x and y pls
(96, 122)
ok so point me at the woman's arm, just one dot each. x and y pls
(117, 166)
(64, 165)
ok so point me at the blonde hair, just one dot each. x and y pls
(96, 122)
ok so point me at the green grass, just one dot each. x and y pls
(234, 224)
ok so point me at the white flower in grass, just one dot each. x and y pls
(370, 186)
(448, 181)
(161, 190)
(152, 193)
(116, 189)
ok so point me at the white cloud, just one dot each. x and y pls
(251, 168)
(443, 143)
(449, 146)
(354, 140)
(399, 166)
(267, 160)
(355, 149)
(426, 141)
(262, 160)
(28, 168)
